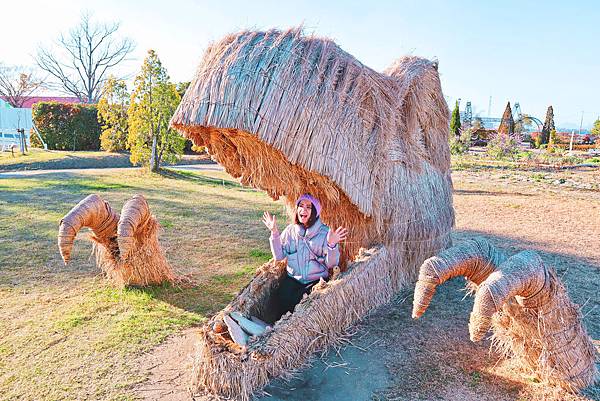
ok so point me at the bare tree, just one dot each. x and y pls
(87, 53)
(17, 84)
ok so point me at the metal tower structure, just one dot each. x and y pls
(517, 115)
(468, 116)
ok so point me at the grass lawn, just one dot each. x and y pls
(36, 159)
(39, 159)
(64, 332)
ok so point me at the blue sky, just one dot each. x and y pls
(536, 53)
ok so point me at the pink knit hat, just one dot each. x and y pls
(312, 200)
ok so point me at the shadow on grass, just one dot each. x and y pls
(200, 179)
(491, 193)
(71, 161)
(209, 297)
(204, 299)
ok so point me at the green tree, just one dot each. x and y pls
(182, 87)
(152, 103)
(455, 121)
(112, 114)
(596, 128)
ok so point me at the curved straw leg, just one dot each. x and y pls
(523, 275)
(92, 212)
(474, 259)
(142, 259)
(526, 306)
(535, 322)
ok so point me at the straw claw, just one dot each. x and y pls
(524, 303)
(126, 247)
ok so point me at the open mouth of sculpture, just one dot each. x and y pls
(260, 165)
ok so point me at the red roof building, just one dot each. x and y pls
(35, 99)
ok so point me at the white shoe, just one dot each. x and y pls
(235, 331)
(247, 325)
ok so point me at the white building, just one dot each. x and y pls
(13, 119)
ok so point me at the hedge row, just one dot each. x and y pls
(67, 126)
(575, 146)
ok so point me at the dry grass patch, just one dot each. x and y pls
(64, 332)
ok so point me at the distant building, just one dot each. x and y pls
(4, 104)
(31, 100)
(13, 119)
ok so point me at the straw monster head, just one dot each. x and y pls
(293, 114)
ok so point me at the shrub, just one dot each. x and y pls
(34, 141)
(554, 138)
(67, 126)
(571, 160)
(503, 146)
(460, 145)
(537, 141)
(525, 156)
(594, 160)
(556, 149)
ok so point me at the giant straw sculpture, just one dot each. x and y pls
(292, 114)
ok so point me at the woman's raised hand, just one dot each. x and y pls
(334, 237)
(270, 222)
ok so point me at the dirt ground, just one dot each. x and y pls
(392, 357)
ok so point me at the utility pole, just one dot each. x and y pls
(581, 122)
(490, 107)
(571, 143)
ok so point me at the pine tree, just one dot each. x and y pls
(548, 125)
(153, 102)
(507, 124)
(455, 121)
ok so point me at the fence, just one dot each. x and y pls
(11, 120)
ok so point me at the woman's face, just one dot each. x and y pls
(303, 211)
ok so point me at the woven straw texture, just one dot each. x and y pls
(524, 303)
(126, 247)
(292, 114)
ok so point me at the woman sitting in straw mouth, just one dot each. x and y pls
(310, 247)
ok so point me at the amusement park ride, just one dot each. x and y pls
(524, 120)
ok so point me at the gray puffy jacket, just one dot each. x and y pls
(308, 255)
